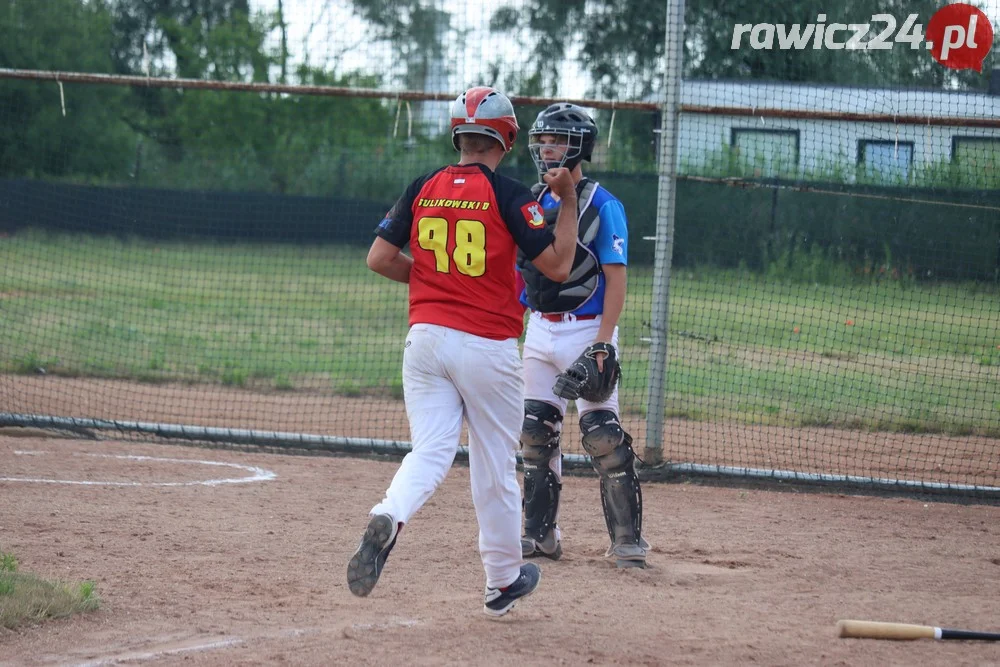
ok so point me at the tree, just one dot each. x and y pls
(37, 137)
(147, 31)
(417, 32)
(621, 43)
(166, 136)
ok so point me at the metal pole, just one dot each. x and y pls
(659, 315)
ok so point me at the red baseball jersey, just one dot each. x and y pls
(464, 224)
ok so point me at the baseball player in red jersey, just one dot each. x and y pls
(464, 224)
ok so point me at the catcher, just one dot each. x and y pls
(570, 351)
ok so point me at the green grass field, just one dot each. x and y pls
(862, 354)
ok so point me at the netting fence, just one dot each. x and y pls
(188, 192)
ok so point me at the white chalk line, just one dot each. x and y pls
(387, 625)
(155, 653)
(136, 656)
(257, 474)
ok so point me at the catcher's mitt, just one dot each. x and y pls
(583, 380)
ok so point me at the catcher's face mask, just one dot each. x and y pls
(550, 150)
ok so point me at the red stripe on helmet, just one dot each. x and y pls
(474, 97)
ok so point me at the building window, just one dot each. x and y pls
(886, 160)
(766, 152)
(976, 152)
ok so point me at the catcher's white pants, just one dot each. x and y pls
(549, 349)
(448, 375)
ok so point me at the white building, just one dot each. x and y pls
(818, 141)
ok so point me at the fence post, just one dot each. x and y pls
(665, 204)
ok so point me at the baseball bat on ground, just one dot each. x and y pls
(876, 630)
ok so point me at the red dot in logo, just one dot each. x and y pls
(959, 36)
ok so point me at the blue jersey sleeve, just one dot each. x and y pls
(611, 244)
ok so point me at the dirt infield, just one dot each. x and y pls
(197, 570)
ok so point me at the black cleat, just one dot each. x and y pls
(501, 600)
(365, 566)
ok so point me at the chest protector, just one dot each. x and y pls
(548, 296)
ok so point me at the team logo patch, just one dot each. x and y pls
(617, 244)
(387, 220)
(533, 215)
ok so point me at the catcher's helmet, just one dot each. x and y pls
(484, 110)
(569, 122)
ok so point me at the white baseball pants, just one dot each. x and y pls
(448, 375)
(549, 349)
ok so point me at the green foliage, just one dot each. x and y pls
(32, 363)
(726, 161)
(194, 139)
(170, 137)
(414, 30)
(37, 138)
(991, 357)
(86, 590)
(229, 50)
(8, 563)
(877, 231)
(25, 598)
(348, 387)
(269, 143)
(155, 31)
(812, 265)
(234, 377)
(952, 174)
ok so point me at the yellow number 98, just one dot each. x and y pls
(470, 244)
